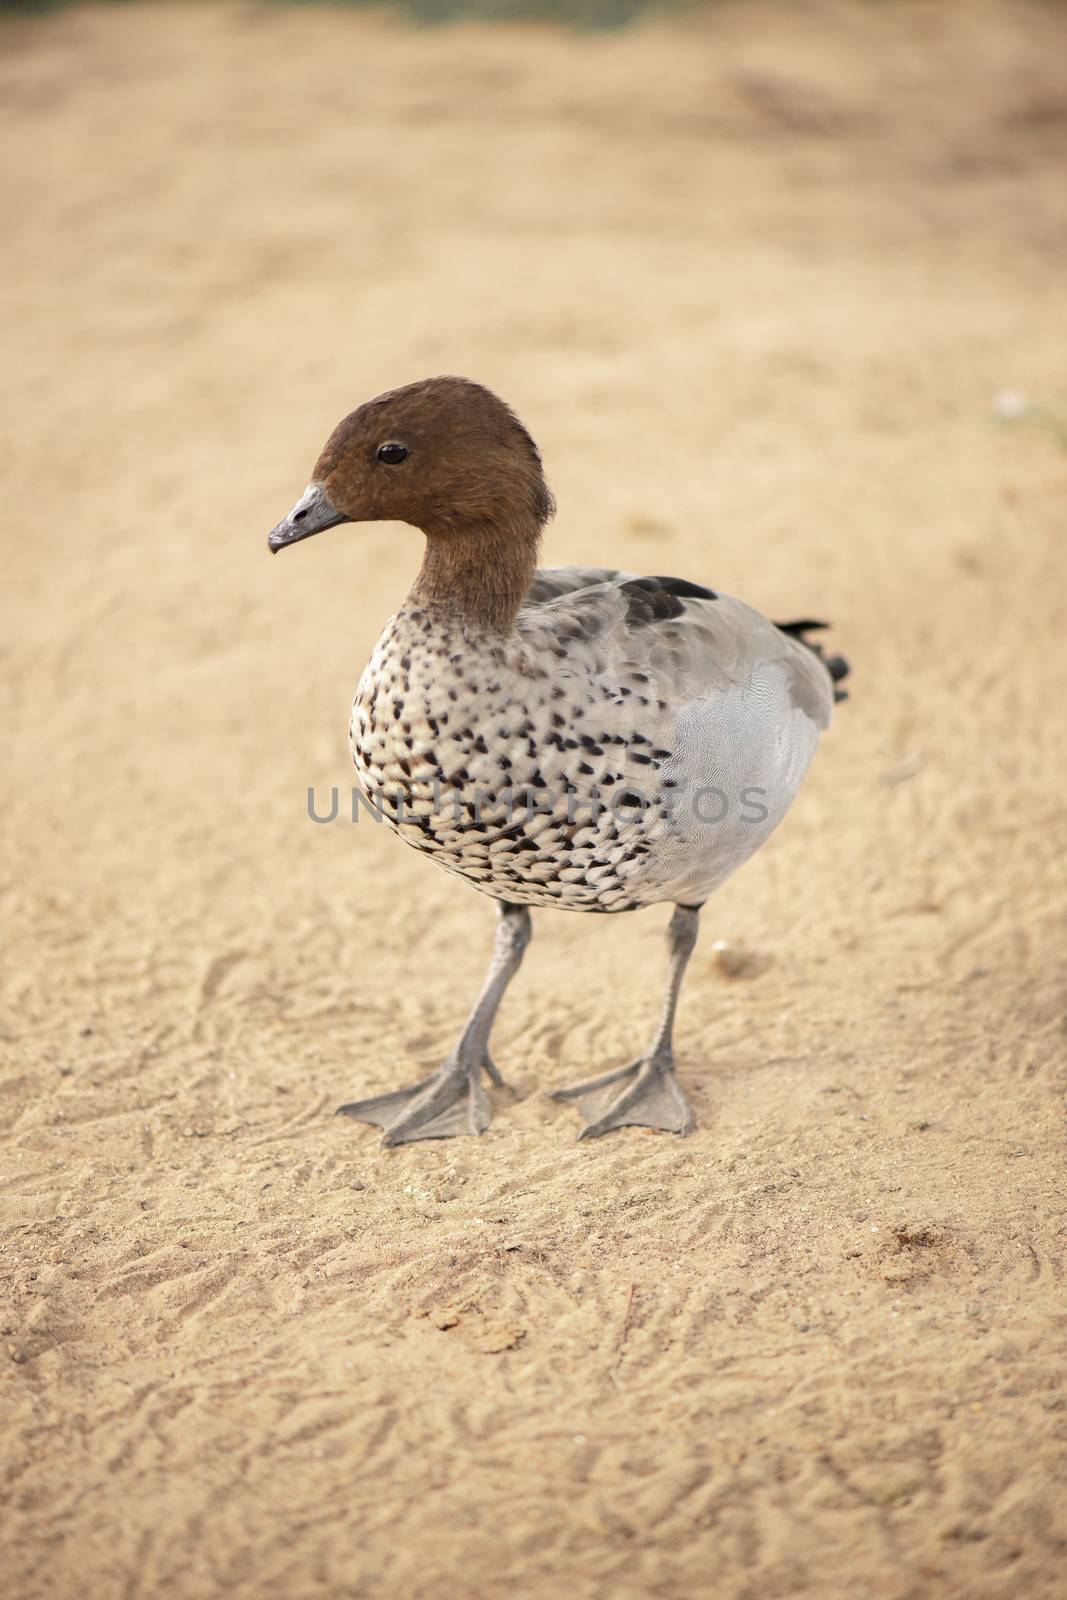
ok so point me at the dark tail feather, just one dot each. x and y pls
(836, 666)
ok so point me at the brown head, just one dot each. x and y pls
(449, 457)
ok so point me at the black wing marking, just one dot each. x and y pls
(836, 666)
(659, 599)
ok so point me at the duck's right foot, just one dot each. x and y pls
(450, 1103)
(644, 1094)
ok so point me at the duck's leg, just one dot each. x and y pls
(453, 1100)
(646, 1093)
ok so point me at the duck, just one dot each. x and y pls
(578, 739)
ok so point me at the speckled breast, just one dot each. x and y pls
(506, 774)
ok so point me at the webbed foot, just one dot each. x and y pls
(450, 1103)
(645, 1094)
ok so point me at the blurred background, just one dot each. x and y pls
(779, 289)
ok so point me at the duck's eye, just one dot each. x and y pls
(392, 453)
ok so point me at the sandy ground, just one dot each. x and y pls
(753, 280)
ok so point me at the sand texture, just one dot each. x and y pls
(753, 279)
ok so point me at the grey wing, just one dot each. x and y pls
(668, 641)
(552, 583)
(722, 644)
(675, 690)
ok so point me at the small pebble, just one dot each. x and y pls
(1010, 405)
(731, 959)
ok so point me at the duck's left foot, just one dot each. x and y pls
(645, 1094)
(451, 1102)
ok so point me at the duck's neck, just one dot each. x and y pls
(479, 574)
